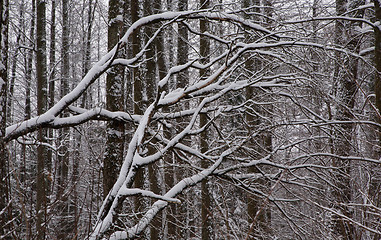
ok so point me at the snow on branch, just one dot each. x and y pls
(124, 191)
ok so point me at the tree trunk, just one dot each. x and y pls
(346, 89)
(113, 155)
(150, 80)
(138, 97)
(377, 61)
(5, 208)
(206, 213)
(375, 184)
(87, 54)
(51, 78)
(65, 216)
(176, 214)
(27, 115)
(41, 206)
(14, 64)
(259, 214)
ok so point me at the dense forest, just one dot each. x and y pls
(190, 119)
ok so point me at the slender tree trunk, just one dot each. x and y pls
(5, 208)
(150, 80)
(65, 224)
(138, 97)
(259, 214)
(182, 81)
(14, 64)
(87, 55)
(29, 63)
(27, 114)
(377, 61)
(77, 160)
(345, 90)
(113, 155)
(375, 189)
(206, 213)
(176, 214)
(52, 55)
(51, 78)
(41, 206)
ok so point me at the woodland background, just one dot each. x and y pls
(185, 119)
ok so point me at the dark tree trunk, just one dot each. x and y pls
(377, 61)
(5, 208)
(87, 95)
(14, 59)
(150, 80)
(65, 216)
(138, 98)
(375, 184)
(176, 214)
(51, 77)
(259, 214)
(345, 90)
(206, 213)
(42, 94)
(27, 115)
(113, 156)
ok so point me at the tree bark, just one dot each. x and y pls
(51, 78)
(152, 55)
(206, 213)
(377, 60)
(259, 214)
(176, 214)
(346, 89)
(27, 114)
(138, 97)
(5, 208)
(65, 215)
(41, 206)
(113, 156)
(375, 184)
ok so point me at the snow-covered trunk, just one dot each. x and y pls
(113, 155)
(42, 171)
(5, 209)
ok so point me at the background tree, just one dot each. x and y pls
(257, 116)
(42, 164)
(176, 215)
(154, 70)
(113, 156)
(4, 173)
(206, 212)
(66, 222)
